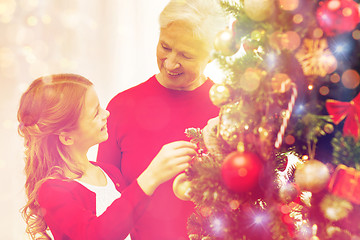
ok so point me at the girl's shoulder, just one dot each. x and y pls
(114, 173)
(59, 185)
(53, 190)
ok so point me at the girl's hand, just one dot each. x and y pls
(172, 159)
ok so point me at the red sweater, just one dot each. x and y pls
(70, 209)
(142, 120)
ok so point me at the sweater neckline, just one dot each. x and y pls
(88, 185)
(201, 88)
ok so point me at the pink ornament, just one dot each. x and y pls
(337, 16)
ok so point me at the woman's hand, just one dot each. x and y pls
(172, 159)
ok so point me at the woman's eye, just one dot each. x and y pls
(165, 47)
(187, 56)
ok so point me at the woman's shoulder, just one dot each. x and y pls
(108, 168)
(127, 96)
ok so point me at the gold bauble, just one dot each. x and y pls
(225, 42)
(288, 5)
(219, 94)
(329, 128)
(182, 187)
(288, 192)
(259, 10)
(312, 176)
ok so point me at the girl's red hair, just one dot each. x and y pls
(51, 105)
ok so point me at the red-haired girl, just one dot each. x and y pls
(60, 119)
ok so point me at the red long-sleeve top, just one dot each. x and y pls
(142, 120)
(69, 209)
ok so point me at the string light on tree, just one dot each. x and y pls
(290, 40)
(350, 79)
(275, 40)
(288, 5)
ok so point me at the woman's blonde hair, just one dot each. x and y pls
(205, 18)
(51, 105)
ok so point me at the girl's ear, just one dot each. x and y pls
(66, 139)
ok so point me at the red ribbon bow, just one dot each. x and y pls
(338, 111)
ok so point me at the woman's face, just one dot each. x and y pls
(92, 122)
(181, 58)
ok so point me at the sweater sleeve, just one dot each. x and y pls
(65, 211)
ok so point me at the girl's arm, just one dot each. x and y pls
(65, 212)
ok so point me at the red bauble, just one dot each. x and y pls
(337, 16)
(241, 171)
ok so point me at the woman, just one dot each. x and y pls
(60, 119)
(160, 109)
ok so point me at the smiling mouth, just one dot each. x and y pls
(173, 74)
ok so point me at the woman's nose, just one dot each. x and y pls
(171, 62)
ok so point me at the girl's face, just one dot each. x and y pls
(92, 122)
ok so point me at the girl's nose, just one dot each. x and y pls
(106, 113)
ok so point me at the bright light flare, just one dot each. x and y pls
(217, 225)
(260, 219)
(214, 72)
(271, 60)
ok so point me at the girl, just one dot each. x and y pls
(60, 119)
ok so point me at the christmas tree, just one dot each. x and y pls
(282, 159)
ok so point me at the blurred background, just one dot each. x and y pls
(110, 42)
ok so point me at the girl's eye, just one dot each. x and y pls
(97, 113)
